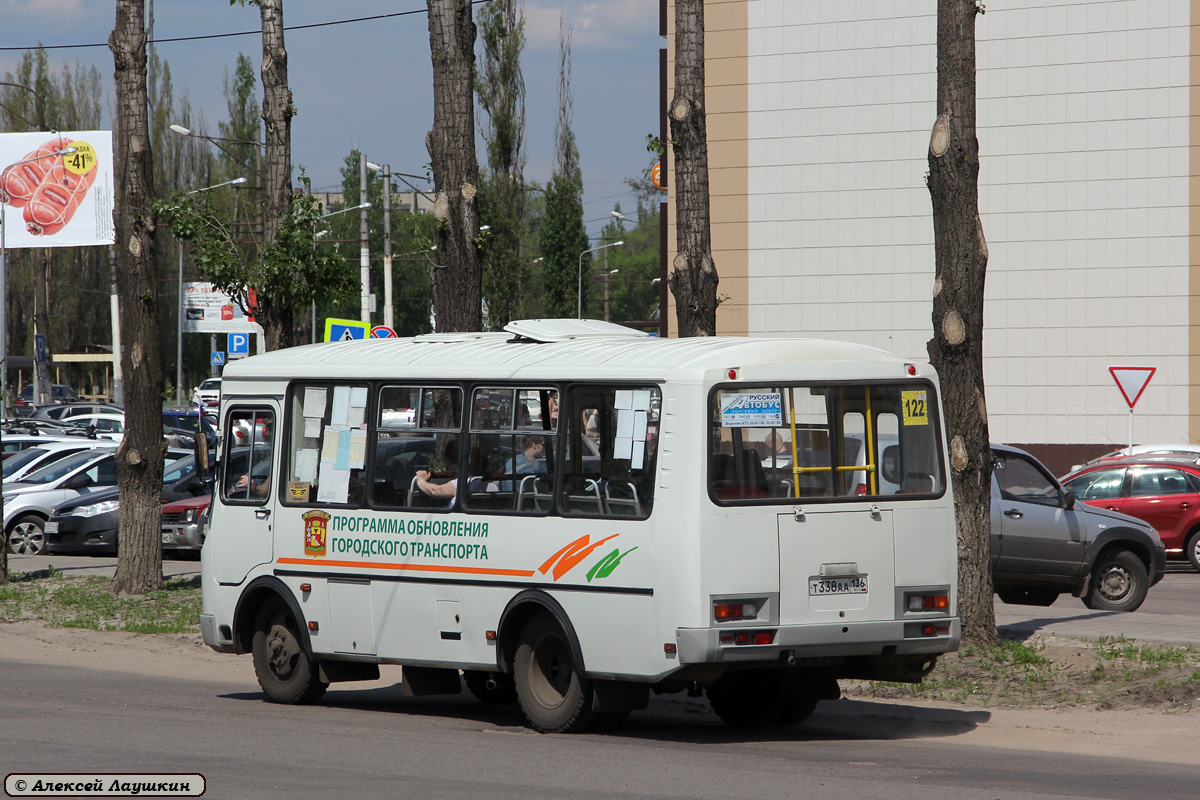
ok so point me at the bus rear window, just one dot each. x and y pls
(831, 441)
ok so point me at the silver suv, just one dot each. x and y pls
(1044, 543)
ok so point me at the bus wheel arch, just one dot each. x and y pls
(516, 615)
(260, 592)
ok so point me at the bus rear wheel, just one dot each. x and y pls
(286, 672)
(757, 698)
(554, 694)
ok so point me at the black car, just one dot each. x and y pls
(188, 422)
(87, 525)
(59, 393)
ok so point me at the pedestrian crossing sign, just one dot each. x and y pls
(343, 330)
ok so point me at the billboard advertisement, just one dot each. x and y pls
(57, 200)
(206, 309)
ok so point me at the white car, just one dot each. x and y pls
(32, 459)
(108, 426)
(28, 502)
(209, 391)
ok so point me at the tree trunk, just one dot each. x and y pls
(694, 277)
(457, 278)
(140, 455)
(956, 349)
(277, 113)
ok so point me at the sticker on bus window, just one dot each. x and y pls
(916, 407)
(759, 410)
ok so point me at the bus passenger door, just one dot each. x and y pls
(241, 531)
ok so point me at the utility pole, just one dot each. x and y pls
(364, 258)
(387, 245)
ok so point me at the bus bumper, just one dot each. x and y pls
(892, 637)
(211, 634)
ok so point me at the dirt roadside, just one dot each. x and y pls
(1152, 733)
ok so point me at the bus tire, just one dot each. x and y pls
(752, 698)
(285, 670)
(493, 688)
(554, 695)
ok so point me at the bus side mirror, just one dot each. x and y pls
(200, 448)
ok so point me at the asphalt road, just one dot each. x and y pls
(376, 743)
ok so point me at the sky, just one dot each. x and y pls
(368, 85)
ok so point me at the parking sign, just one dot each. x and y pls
(239, 345)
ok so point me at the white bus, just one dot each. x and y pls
(571, 514)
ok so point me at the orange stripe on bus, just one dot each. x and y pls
(517, 573)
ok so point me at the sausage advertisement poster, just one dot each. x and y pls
(57, 198)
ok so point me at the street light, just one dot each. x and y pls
(606, 279)
(3, 264)
(579, 296)
(359, 207)
(179, 334)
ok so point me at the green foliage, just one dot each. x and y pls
(285, 276)
(413, 234)
(500, 89)
(633, 294)
(561, 239)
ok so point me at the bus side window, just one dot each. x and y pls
(611, 451)
(247, 456)
(511, 454)
(326, 460)
(416, 429)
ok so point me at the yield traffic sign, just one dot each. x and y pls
(1132, 381)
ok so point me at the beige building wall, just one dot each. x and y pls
(822, 224)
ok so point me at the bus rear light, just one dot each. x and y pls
(928, 602)
(747, 637)
(736, 610)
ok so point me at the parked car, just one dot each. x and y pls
(48, 451)
(190, 422)
(106, 426)
(59, 393)
(1164, 491)
(87, 525)
(181, 524)
(1044, 543)
(208, 392)
(60, 412)
(20, 438)
(28, 502)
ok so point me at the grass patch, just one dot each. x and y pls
(88, 602)
(1049, 672)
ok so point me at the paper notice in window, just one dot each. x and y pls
(358, 449)
(354, 416)
(335, 483)
(341, 405)
(639, 426)
(641, 399)
(306, 466)
(312, 427)
(329, 444)
(623, 398)
(623, 447)
(639, 455)
(358, 397)
(314, 402)
(625, 425)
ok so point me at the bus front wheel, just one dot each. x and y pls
(554, 694)
(286, 672)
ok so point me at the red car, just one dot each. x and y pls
(182, 530)
(1163, 491)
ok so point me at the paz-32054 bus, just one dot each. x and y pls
(570, 514)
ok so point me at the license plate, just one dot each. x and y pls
(855, 584)
(50, 527)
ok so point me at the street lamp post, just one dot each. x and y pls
(606, 280)
(579, 296)
(3, 262)
(179, 334)
(360, 207)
